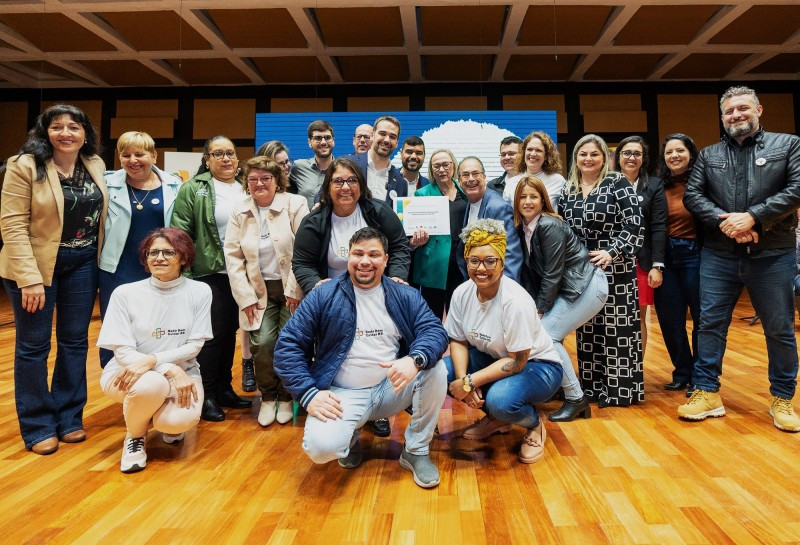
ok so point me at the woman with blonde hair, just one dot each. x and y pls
(567, 289)
(501, 358)
(602, 209)
(538, 157)
(141, 197)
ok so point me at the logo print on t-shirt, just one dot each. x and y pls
(477, 335)
(359, 334)
(158, 333)
(343, 252)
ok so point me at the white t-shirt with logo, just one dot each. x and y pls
(342, 230)
(377, 340)
(267, 257)
(170, 320)
(506, 323)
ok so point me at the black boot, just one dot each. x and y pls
(571, 410)
(248, 375)
(380, 428)
(226, 397)
(212, 411)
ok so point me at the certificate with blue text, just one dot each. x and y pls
(429, 213)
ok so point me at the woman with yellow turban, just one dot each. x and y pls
(501, 358)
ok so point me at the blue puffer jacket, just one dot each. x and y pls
(324, 327)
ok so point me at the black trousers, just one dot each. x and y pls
(216, 356)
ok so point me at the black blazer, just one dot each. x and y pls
(557, 264)
(653, 203)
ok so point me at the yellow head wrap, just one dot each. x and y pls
(479, 237)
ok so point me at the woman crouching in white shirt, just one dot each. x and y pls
(501, 358)
(156, 327)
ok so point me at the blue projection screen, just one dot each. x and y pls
(464, 132)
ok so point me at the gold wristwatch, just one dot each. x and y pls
(466, 383)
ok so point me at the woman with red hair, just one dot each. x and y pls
(156, 327)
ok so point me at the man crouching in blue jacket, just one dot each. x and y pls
(377, 349)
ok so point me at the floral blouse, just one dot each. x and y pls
(83, 203)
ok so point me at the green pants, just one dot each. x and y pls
(262, 344)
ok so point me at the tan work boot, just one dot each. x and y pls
(783, 415)
(701, 405)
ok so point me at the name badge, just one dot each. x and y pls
(761, 161)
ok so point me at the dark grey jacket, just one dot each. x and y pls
(761, 176)
(557, 264)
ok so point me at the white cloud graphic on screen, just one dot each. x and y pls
(463, 138)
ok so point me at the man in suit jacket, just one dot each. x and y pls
(384, 180)
(509, 148)
(487, 204)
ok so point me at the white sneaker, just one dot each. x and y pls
(266, 414)
(134, 457)
(285, 412)
(170, 438)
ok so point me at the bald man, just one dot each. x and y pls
(362, 139)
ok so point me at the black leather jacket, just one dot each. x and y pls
(761, 176)
(557, 265)
(310, 258)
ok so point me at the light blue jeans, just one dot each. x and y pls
(564, 317)
(331, 440)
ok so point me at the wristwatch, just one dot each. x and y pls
(466, 384)
(659, 268)
(419, 360)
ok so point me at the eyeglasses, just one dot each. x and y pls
(319, 139)
(264, 181)
(489, 263)
(167, 253)
(629, 154)
(219, 154)
(362, 136)
(442, 166)
(338, 183)
(474, 174)
(286, 163)
(508, 154)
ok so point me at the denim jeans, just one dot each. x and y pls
(513, 399)
(769, 280)
(329, 440)
(680, 289)
(565, 317)
(44, 411)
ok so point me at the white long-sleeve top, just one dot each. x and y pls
(170, 320)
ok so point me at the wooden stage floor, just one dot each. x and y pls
(635, 475)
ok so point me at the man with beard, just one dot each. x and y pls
(412, 155)
(384, 180)
(509, 148)
(744, 191)
(306, 175)
(377, 349)
(362, 139)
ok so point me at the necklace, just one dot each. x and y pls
(139, 204)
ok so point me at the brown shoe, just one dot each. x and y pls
(485, 427)
(532, 448)
(48, 446)
(76, 436)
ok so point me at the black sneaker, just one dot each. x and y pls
(248, 375)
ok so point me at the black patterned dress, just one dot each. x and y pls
(610, 344)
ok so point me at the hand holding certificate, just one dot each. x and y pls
(429, 213)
